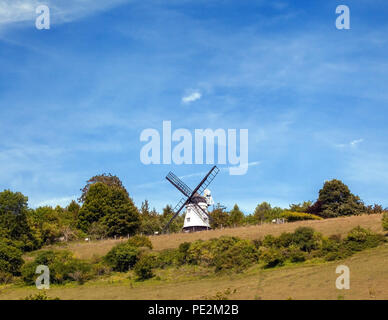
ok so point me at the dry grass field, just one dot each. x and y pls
(368, 280)
(87, 250)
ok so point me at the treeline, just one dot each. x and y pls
(106, 210)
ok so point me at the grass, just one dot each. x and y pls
(309, 280)
(368, 280)
(86, 250)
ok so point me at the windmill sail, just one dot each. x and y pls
(192, 200)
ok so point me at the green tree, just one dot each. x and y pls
(220, 218)
(236, 217)
(111, 206)
(335, 199)
(13, 220)
(385, 221)
(262, 212)
(107, 179)
(301, 207)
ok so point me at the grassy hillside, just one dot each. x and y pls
(309, 280)
(368, 280)
(328, 227)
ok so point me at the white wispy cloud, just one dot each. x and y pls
(191, 97)
(353, 144)
(63, 202)
(12, 11)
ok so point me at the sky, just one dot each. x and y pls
(74, 99)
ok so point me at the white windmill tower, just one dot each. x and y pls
(197, 217)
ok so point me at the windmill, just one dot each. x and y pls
(197, 217)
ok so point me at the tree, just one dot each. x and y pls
(13, 220)
(111, 206)
(74, 208)
(236, 217)
(108, 179)
(262, 211)
(220, 218)
(301, 207)
(384, 221)
(335, 199)
(145, 209)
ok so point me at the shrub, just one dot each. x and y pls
(306, 239)
(143, 268)
(63, 267)
(296, 255)
(5, 277)
(291, 216)
(10, 258)
(183, 252)
(122, 257)
(237, 257)
(140, 241)
(40, 296)
(271, 257)
(385, 221)
(359, 239)
(167, 257)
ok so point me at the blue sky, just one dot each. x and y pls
(74, 99)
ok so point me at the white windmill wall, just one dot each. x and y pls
(192, 218)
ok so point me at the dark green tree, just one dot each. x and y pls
(236, 217)
(220, 217)
(335, 199)
(13, 220)
(262, 212)
(108, 179)
(111, 206)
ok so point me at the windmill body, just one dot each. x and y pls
(197, 217)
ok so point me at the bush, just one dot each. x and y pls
(63, 267)
(385, 221)
(10, 258)
(40, 296)
(5, 277)
(237, 257)
(140, 241)
(271, 257)
(122, 257)
(359, 239)
(306, 239)
(143, 268)
(166, 258)
(291, 216)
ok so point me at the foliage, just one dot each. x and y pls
(5, 277)
(384, 221)
(40, 296)
(112, 207)
(13, 220)
(220, 218)
(10, 258)
(122, 257)
(140, 241)
(224, 253)
(335, 199)
(143, 268)
(262, 212)
(236, 217)
(271, 257)
(291, 216)
(359, 239)
(63, 267)
(106, 179)
(300, 207)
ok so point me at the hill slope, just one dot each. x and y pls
(341, 226)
